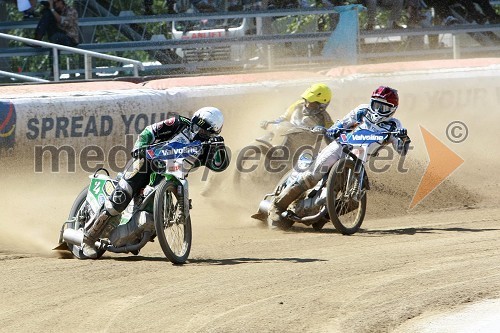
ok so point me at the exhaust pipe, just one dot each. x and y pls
(307, 219)
(131, 248)
(73, 236)
(264, 207)
(263, 210)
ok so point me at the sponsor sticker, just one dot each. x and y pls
(109, 187)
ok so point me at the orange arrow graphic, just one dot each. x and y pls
(443, 161)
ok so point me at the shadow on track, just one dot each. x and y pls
(237, 261)
(413, 231)
(220, 262)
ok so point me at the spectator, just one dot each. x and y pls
(60, 22)
(396, 7)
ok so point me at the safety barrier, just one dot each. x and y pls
(87, 119)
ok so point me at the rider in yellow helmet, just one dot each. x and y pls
(310, 110)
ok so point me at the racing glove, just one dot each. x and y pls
(333, 133)
(402, 133)
(211, 144)
(138, 153)
(360, 115)
(216, 139)
(319, 130)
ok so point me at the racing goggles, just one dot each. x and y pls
(202, 133)
(315, 107)
(383, 108)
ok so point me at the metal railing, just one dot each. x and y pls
(455, 31)
(23, 77)
(456, 50)
(140, 19)
(88, 55)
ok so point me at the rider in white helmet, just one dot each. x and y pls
(205, 126)
(376, 116)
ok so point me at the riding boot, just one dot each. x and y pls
(282, 201)
(92, 235)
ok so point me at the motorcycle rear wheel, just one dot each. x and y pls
(174, 236)
(74, 213)
(347, 215)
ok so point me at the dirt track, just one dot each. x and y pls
(242, 277)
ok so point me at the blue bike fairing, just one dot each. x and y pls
(174, 150)
(363, 136)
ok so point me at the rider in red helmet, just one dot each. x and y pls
(383, 105)
(376, 116)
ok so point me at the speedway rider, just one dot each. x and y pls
(205, 126)
(376, 116)
(310, 110)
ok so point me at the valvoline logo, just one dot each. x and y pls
(364, 136)
(175, 150)
(7, 125)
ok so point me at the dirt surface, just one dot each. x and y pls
(242, 277)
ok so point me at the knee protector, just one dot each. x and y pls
(119, 199)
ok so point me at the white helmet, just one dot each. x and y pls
(207, 122)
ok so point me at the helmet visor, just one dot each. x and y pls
(201, 133)
(383, 108)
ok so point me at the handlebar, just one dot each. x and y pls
(347, 130)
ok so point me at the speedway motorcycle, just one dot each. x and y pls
(271, 156)
(161, 210)
(340, 196)
(267, 158)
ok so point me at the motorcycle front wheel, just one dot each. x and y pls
(346, 214)
(174, 232)
(76, 215)
(284, 224)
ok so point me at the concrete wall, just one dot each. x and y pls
(94, 117)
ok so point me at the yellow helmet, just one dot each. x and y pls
(318, 92)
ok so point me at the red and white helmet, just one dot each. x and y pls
(384, 102)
